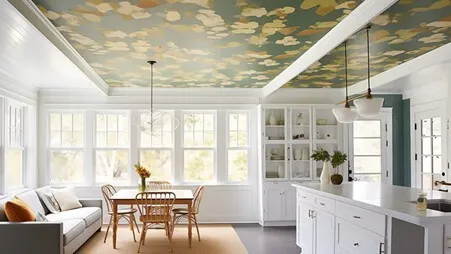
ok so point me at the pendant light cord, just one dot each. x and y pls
(151, 90)
(368, 96)
(346, 75)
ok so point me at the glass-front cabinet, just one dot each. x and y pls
(289, 135)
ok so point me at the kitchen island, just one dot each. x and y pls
(363, 217)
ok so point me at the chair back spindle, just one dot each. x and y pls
(155, 207)
(159, 185)
(198, 194)
(108, 191)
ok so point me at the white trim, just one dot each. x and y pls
(355, 21)
(38, 19)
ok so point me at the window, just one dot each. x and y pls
(367, 150)
(199, 143)
(431, 151)
(237, 153)
(111, 148)
(14, 152)
(156, 147)
(66, 147)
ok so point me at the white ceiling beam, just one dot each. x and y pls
(28, 9)
(354, 22)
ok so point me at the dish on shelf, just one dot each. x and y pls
(299, 136)
(276, 138)
(272, 175)
(321, 121)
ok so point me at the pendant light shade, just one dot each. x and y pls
(345, 114)
(153, 121)
(369, 106)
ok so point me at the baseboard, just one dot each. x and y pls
(278, 223)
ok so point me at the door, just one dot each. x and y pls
(290, 204)
(430, 144)
(274, 205)
(370, 149)
(324, 232)
(304, 228)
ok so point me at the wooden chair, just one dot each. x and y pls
(122, 213)
(155, 208)
(180, 213)
(159, 185)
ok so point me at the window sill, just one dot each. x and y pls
(175, 185)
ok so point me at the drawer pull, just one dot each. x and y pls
(321, 203)
(356, 244)
(356, 217)
(304, 197)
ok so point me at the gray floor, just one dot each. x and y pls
(267, 240)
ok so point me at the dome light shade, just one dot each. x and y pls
(369, 107)
(344, 114)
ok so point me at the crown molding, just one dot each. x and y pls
(14, 89)
(31, 12)
(354, 22)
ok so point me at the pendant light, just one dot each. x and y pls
(345, 114)
(152, 121)
(369, 106)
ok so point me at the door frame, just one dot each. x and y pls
(436, 108)
(386, 118)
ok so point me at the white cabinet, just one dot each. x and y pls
(280, 203)
(315, 230)
(305, 228)
(352, 239)
(325, 232)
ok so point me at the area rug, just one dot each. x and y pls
(215, 239)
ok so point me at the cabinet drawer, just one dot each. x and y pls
(325, 204)
(353, 239)
(305, 197)
(366, 219)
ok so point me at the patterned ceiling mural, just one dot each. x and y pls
(197, 43)
(408, 29)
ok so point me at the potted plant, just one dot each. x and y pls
(337, 159)
(143, 174)
(324, 156)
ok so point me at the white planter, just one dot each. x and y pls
(325, 174)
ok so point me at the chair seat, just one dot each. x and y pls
(180, 211)
(124, 211)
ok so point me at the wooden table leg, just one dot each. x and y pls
(114, 223)
(190, 215)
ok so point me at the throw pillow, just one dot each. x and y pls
(66, 199)
(18, 211)
(49, 200)
(41, 217)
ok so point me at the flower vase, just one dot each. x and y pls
(325, 174)
(142, 185)
(272, 118)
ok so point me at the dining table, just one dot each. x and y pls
(128, 197)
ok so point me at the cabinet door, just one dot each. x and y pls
(324, 232)
(290, 204)
(274, 205)
(305, 228)
(353, 239)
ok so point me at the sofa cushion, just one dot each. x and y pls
(18, 211)
(31, 198)
(66, 199)
(48, 200)
(88, 214)
(72, 228)
(3, 200)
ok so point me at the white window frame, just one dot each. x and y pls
(111, 148)
(214, 148)
(171, 148)
(386, 145)
(21, 145)
(81, 149)
(244, 148)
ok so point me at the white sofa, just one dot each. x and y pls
(64, 232)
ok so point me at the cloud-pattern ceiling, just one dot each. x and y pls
(197, 43)
(408, 29)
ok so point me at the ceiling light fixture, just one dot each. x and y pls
(154, 121)
(345, 114)
(369, 106)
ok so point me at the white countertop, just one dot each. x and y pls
(387, 199)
